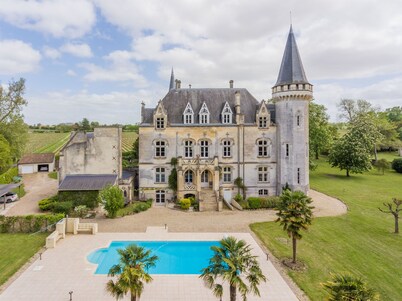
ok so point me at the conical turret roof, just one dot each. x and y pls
(171, 84)
(291, 67)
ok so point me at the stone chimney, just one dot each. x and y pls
(142, 111)
(179, 84)
(176, 81)
(231, 84)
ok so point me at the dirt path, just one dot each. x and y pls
(225, 221)
(37, 186)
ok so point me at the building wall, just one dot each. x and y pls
(35, 167)
(100, 154)
(244, 160)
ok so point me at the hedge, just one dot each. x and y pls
(7, 177)
(135, 207)
(87, 198)
(27, 223)
(397, 165)
(260, 202)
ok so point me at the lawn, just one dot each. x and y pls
(16, 250)
(360, 242)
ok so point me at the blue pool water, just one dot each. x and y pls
(175, 257)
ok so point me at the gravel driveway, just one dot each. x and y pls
(37, 186)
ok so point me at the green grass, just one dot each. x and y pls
(20, 191)
(389, 156)
(52, 175)
(16, 249)
(360, 242)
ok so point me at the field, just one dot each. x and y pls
(48, 142)
(18, 248)
(128, 140)
(51, 142)
(360, 242)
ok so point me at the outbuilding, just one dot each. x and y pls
(32, 163)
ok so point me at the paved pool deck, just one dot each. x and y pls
(65, 268)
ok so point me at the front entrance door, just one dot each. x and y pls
(206, 179)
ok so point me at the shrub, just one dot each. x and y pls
(260, 202)
(397, 165)
(81, 211)
(112, 199)
(46, 204)
(135, 207)
(254, 202)
(63, 207)
(185, 204)
(7, 177)
(238, 198)
(87, 198)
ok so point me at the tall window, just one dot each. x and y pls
(204, 114)
(298, 176)
(298, 120)
(188, 114)
(263, 122)
(263, 174)
(287, 149)
(160, 175)
(188, 149)
(227, 114)
(227, 174)
(263, 192)
(160, 123)
(204, 149)
(188, 176)
(263, 148)
(160, 149)
(227, 148)
(160, 196)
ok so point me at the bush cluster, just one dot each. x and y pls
(135, 207)
(185, 204)
(27, 223)
(87, 198)
(7, 177)
(254, 203)
(397, 165)
(47, 204)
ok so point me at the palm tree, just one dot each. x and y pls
(233, 262)
(132, 271)
(349, 288)
(294, 214)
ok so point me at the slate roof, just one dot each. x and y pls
(292, 70)
(37, 158)
(86, 182)
(176, 100)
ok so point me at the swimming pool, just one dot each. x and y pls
(175, 257)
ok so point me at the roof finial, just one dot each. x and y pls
(171, 85)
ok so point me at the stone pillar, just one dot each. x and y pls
(180, 184)
(198, 180)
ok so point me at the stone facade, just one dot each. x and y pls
(218, 135)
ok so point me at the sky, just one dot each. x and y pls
(100, 59)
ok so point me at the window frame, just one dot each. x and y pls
(263, 192)
(188, 149)
(204, 149)
(227, 174)
(226, 148)
(190, 174)
(263, 174)
(160, 196)
(160, 123)
(160, 175)
(263, 122)
(160, 150)
(263, 148)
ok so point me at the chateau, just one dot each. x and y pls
(218, 135)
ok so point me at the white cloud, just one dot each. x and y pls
(59, 18)
(77, 49)
(17, 57)
(71, 72)
(51, 52)
(120, 68)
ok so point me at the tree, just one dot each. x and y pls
(136, 148)
(232, 262)
(382, 165)
(394, 212)
(350, 108)
(352, 151)
(5, 154)
(240, 185)
(131, 272)
(349, 288)
(112, 199)
(16, 133)
(12, 100)
(294, 214)
(319, 129)
(84, 125)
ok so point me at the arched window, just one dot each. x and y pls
(188, 148)
(204, 149)
(204, 114)
(227, 114)
(227, 174)
(188, 114)
(160, 149)
(264, 148)
(188, 176)
(227, 148)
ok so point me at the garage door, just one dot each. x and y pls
(27, 169)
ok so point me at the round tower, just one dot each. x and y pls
(291, 95)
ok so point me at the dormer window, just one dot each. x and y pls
(204, 114)
(227, 114)
(263, 116)
(160, 123)
(263, 122)
(188, 114)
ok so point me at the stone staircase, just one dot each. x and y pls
(208, 200)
